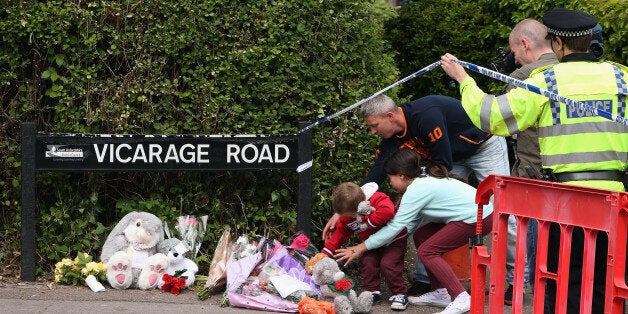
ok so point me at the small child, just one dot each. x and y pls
(364, 210)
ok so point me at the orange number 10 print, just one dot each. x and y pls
(435, 134)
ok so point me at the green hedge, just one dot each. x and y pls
(185, 67)
(473, 30)
(223, 67)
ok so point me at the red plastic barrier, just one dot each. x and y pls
(570, 206)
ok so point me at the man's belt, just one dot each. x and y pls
(609, 175)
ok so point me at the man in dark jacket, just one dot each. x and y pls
(438, 128)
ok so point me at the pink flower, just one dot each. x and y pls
(300, 242)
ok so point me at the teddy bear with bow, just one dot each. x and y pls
(178, 263)
(335, 284)
(131, 252)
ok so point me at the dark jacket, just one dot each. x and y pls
(437, 127)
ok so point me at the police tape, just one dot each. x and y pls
(405, 79)
(496, 75)
(553, 96)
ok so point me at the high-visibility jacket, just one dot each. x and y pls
(570, 139)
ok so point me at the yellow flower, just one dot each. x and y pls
(74, 272)
(91, 266)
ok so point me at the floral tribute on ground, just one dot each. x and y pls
(264, 274)
(174, 283)
(191, 230)
(75, 271)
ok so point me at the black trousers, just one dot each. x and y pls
(575, 271)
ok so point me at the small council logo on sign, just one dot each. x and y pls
(63, 151)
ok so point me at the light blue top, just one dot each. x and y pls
(428, 199)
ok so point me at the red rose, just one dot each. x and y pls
(175, 290)
(168, 281)
(342, 284)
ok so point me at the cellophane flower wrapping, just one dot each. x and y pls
(191, 231)
(255, 265)
(217, 276)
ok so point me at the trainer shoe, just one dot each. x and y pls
(377, 297)
(418, 288)
(438, 297)
(461, 304)
(399, 302)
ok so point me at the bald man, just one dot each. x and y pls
(531, 50)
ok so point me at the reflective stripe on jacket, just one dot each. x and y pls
(570, 139)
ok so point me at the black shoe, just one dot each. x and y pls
(508, 296)
(377, 297)
(418, 288)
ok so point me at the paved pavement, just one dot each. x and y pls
(42, 297)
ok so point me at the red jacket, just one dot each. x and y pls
(345, 226)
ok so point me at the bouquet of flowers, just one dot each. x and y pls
(191, 231)
(217, 276)
(174, 283)
(74, 272)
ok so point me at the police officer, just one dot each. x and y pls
(577, 146)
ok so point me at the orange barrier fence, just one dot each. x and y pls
(569, 206)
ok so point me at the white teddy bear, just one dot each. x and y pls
(130, 252)
(177, 261)
(364, 207)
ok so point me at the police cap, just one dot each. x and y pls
(568, 23)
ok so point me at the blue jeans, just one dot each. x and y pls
(490, 158)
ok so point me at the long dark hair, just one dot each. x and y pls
(408, 163)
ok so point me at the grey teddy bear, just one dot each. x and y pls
(131, 252)
(326, 271)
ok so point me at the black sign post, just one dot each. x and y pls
(105, 152)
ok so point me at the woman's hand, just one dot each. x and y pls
(351, 253)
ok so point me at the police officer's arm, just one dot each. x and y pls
(453, 69)
(503, 115)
